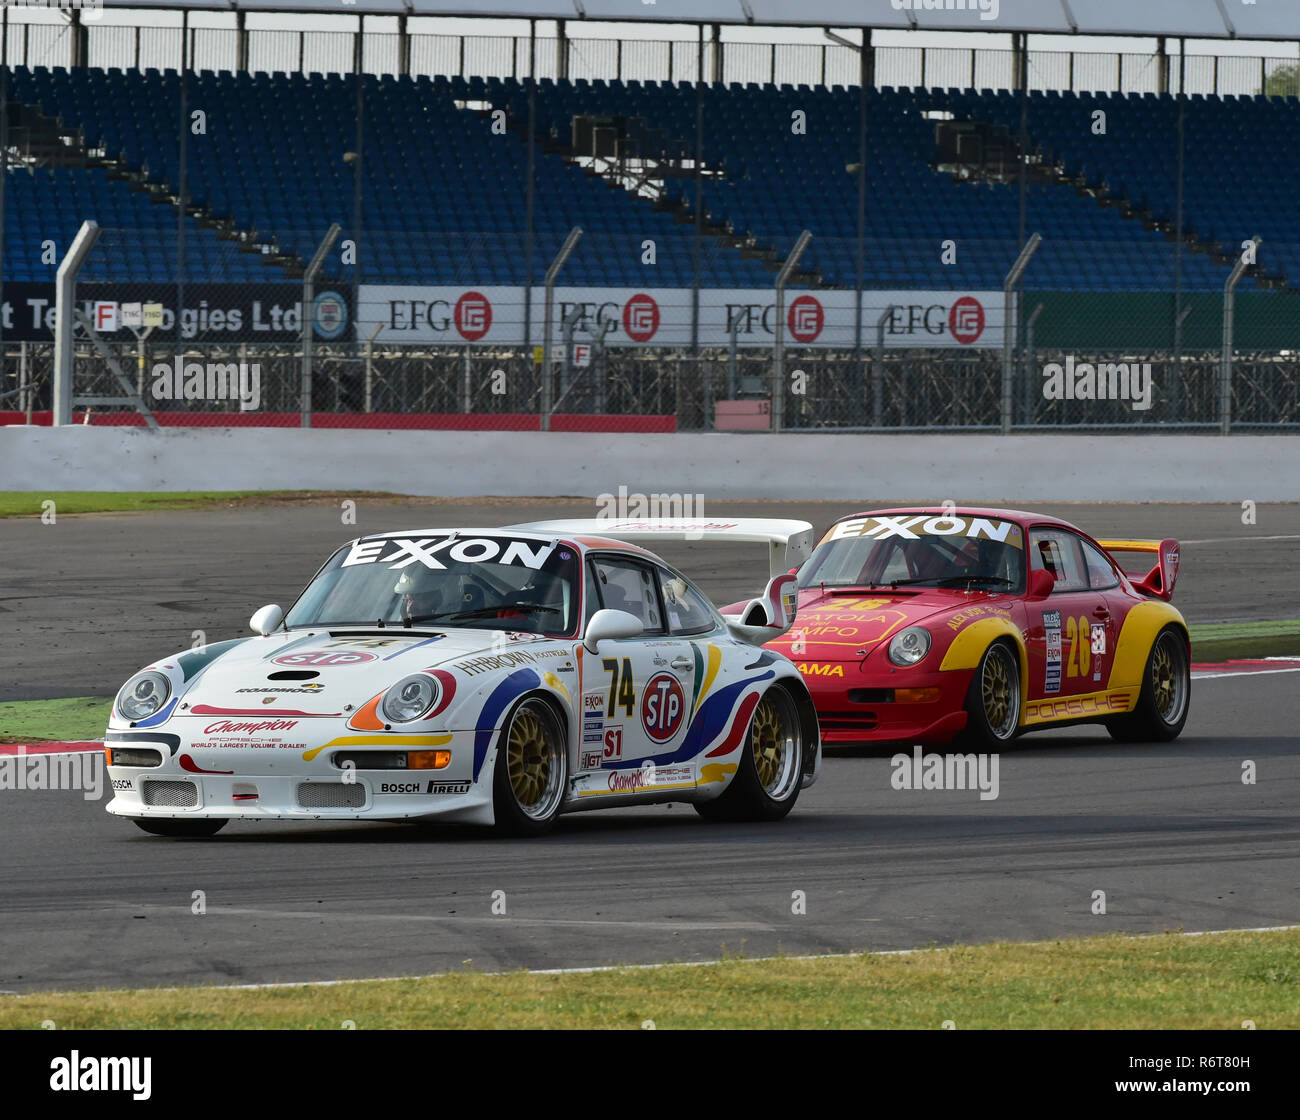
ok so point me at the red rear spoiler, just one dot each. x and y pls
(1160, 580)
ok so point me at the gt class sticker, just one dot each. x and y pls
(662, 707)
(401, 552)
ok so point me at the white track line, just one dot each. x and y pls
(664, 964)
(1243, 540)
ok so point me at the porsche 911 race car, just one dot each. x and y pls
(922, 625)
(495, 676)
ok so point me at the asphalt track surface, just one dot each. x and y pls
(1169, 833)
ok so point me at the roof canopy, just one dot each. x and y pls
(1193, 19)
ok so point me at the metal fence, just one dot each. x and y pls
(876, 282)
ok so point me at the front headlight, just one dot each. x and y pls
(907, 647)
(409, 698)
(143, 695)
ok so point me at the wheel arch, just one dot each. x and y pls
(1137, 636)
(968, 648)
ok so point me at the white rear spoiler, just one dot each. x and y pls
(789, 542)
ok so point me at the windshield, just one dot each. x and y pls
(489, 582)
(922, 550)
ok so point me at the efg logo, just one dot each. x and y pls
(330, 315)
(807, 318)
(641, 317)
(966, 320)
(473, 316)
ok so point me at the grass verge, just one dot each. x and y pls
(1219, 641)
(29, 503)
(1169, 981)
(74, 718)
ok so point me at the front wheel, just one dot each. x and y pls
(770, 770)
(169, 826)
(993, 699)
(1162, 705)
(531, 770)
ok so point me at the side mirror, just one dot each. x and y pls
(608, 624)
(266, 620)
(777, 606)
(1041, 582)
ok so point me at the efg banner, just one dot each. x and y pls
(220, 313)
(663, 316)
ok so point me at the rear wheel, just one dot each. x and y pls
(770, 771)
(993, 699)
(168, 826)
(531, 770)
(1166, 693)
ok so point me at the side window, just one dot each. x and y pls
(1101, 574)
(1058, 552)
(687, 610)
(629, 586)
(590, 594)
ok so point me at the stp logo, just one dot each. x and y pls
(806, 319)
(323, 657)
(473, 316)
(614, 742)
(966, 320)
(641, 318)
(662, 707)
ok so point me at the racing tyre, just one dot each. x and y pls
(1162, 706)
(993, 700)
(195, 829)
(532, 770)
(770, 770)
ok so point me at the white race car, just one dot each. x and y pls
(494, 676)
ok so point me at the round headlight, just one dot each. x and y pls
(907, 647)
(143, 695)
(409, 698)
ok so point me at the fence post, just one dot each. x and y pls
(65, 296)
(1225, 357)
(878, 370)
(308, 318)
(778, 348)
(1009, 327)
(548, 321)
(1028, 365)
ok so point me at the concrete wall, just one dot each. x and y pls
(1019, 468)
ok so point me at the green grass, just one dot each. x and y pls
(76, 718)
(1163, 982)
(1218, 641)
(28, 503)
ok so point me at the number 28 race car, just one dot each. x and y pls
(493, 676)
(921, 625)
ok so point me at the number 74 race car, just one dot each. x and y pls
(493, 676)
(923, 625)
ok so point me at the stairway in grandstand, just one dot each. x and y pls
(632, 154)
(65, 167)
(976, 150)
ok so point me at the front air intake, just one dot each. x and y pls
(331, 795)
(171, 795)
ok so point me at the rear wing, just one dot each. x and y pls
(789, 542)
(1159, 580)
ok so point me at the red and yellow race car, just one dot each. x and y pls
(925, 625)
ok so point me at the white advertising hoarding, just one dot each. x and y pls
(662, 316)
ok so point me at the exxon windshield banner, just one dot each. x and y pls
(228, 313)
(662, 316)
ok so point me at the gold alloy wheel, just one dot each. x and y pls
(1167, 680)
(1000, 687)
(532, 759)
(774, 736)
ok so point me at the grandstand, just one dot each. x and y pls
(459, 181)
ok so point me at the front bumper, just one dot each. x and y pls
(299, 781)
(860, 707)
